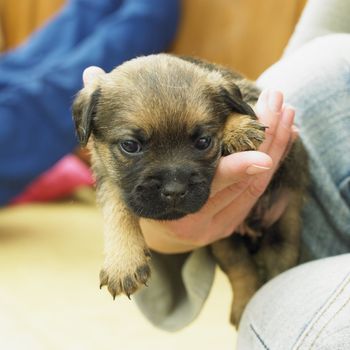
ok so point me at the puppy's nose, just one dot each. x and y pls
(174, 191)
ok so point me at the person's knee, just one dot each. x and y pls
(302, 306)
(322, 62)
(337, 44)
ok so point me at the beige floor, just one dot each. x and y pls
(49, 297)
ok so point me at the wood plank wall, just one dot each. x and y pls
(19, 18)
(248, 35)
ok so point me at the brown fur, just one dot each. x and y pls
(168, 106)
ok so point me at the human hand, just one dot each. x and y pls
(240, 180)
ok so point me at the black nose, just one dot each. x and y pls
(173, 191)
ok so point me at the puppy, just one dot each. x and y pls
(157, 127)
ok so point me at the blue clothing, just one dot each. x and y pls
(304, 308)
(315, 80)
(308, 306)
(38, 81)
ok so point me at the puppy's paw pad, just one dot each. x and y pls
(142, 274)
(124, 283)
(246, 134)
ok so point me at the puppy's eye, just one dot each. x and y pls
(130, 146)
(203, 143)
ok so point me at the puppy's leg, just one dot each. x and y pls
(235, 260)
(126, 266)
(242, 133)
(279, 249)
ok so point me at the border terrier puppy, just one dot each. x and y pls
(157, 127)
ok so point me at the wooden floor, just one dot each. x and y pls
(50, 256)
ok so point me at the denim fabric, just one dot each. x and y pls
(316, 81)
(308, 307)
(320, 18)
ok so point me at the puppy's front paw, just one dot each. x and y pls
(125, 279)
(242, 133)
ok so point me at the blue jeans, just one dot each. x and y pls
(308, 307)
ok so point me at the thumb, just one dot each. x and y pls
(90, 74)
(239, 167)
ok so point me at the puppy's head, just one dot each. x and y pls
(156, 127)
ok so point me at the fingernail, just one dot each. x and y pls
(275, 101)
(295, 133)
(91, 73)
(295, 129)
(256, 169)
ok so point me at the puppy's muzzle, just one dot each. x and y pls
(171, 191)
(170, 194)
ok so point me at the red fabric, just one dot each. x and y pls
(58, 182)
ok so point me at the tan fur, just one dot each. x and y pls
(242, 134)
(241, 270)
(126, 78)
(124, 270)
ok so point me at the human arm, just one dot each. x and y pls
(320, 18)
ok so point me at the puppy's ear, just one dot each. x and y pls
(232, 97)
(84, 110)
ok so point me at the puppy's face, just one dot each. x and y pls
(156, 125)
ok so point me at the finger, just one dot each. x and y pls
(283, 136)
(245, 201)
(90, 74)
(241, 207)
(239, 166)
(225, 197)
(277, 149)
(235, 176)
(269, 110)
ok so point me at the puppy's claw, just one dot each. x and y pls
(147, 253)
(103, 278)
(143, 273)
(128, 284)
(243, 134)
